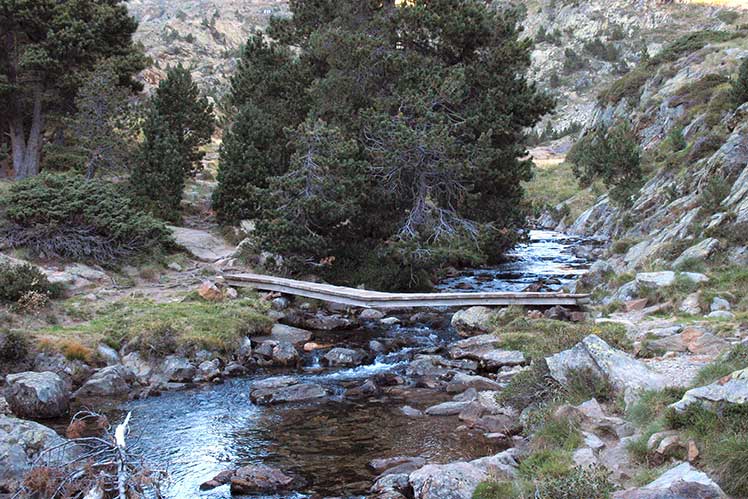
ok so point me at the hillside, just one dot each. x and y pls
(581, 45)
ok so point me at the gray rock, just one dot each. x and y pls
(21, 444)
(451, 408)
(684, 472)
(690, 305)
(371, 314)
(721, 315)
(699, 252)
(281, 303)
(474, 320)
(201, 244)
(210, 370)
(446, 481)
(731, 390)
(108, 354)
(627, 292)
(112, 381)
(284, 353)
(584, 457)
(694, 277)
(37, 395)
(379, 466)
(411, 412)
(141, 368)
(625, 373)
(178, 369)
(301, 392)
(656, 279)
(719, 303)
(344, 357)
(483, 350)
(290, 334)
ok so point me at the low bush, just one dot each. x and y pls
(585, 384)
(555, 433)
(729, 457)
(531, 387)
(66, 216)
(16, 281)
(14, 346)
(546, 464)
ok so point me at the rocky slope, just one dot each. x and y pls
(568, 60)
(205, 35)
(695, 200)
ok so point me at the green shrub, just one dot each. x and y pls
(714, 192)
(556, 434)
(728, 16)
(531, 387)
(601, 50)
(729, 457)
(579, 483)
(690, 43)
(14, 346)
(66, 216)
(653, 404)
(585, 384)
(739, 91)
(495, 490)
(18, 280)
(612, 155)
(546, 464)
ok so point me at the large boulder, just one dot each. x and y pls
(732, 389)
(290, 334)
(483, 350)
(37, 395)
(446, 481)
(459, 480)
(656, 279)
(474, 320)
(461, 382)
(624, 373)
(178, 369)
(112, 381)
(201, 244)
(697, 253)
(21, 443)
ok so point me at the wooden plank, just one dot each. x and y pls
(376, 299)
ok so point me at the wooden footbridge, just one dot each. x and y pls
(375, 299)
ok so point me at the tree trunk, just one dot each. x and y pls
(26, 152)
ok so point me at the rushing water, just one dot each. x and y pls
(197, 433)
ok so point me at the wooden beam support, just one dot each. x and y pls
(375, 299)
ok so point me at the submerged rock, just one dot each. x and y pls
(37, 395)
(282, 390)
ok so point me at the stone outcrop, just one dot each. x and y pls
(680, 482)
(112, 381)
(21, 443)
(37, 395)
(732, 389)
(202, 244)
(284, 389)
(474, 320)
(483, 350)
(625, 373)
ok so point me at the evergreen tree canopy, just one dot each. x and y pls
(423, 108)
(739, 89)
(48, 45)
(187, 113)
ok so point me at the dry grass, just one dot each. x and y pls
(732, 4)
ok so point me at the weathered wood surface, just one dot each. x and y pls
(376, 299)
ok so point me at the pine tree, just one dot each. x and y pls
(48, 47)
(104, 125)
(158, 177)
(268, 91)
(187, 113)
(252, 153)
(739, 89)
(435, 96)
